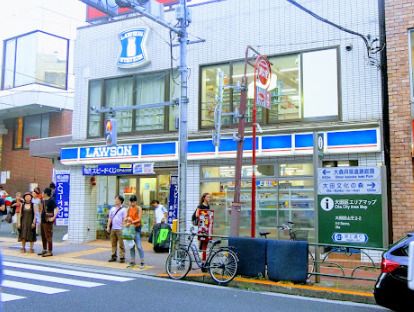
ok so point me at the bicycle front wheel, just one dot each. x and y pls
(223, 266)
(178, 264)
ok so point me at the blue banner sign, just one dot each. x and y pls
(62, 196)
(346, 141)
(173, 200)
(107, 169)
(118, 169)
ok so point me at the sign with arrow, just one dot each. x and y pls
(349, 180)
(350, 206)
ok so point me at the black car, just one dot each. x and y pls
(391, 289)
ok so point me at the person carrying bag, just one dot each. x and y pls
(133, 220)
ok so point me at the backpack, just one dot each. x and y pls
(161, 236)
(194, 218)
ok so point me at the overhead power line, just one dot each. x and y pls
(370, 44)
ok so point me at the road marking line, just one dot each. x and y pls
(7, 297)
(32, 287)
(53, 279)
(68, 272)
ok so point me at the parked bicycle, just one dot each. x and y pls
(289, 227)
(221, 262)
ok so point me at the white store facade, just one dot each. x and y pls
(317, 84)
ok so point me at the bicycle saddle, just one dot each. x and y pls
(216, 242)
(264, 233)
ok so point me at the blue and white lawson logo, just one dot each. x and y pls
(109, 152)
(133, 44)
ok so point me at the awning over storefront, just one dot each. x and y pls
(338, 142)
(48, 147)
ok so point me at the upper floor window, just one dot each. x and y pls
(132, 91)
(303, 86)
(30, 127)
(35, 57)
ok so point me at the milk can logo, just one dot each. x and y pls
(133, 48)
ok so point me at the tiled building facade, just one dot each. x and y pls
(307, 55)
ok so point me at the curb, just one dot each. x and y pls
(289, 288)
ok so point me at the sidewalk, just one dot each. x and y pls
(97, 253)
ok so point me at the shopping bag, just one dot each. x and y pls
(128, 233)
(129, 244)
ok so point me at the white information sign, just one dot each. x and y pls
(349, 180)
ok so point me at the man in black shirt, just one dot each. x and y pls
(49, 211)
(52, 187)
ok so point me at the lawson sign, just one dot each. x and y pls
(112, 152)
(289, 144)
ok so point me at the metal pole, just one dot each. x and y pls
(316, 204)
(236, 205)
(183, 104)
(253, 217)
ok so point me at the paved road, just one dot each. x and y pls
(37, 287)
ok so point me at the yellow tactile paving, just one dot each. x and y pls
(288, 285)
(84, 252)
(307, 287)
(74, 260)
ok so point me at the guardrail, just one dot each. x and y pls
(344, 262)
(328, 261)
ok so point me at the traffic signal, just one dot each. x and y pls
(110, 132)
(150, 6)
(132, 3)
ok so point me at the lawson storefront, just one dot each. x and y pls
(317, 84)
(285, 185)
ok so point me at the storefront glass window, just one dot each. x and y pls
(35, 57)
(286, 170)
(302, 85)
(95, 100)
(149, 90)
(278, 201)
(30, 127)
(147, 189)
(163, 189)
(209, 93)
(132, 91)
(296, 204)
(229, 171)
(238, 73)
(127, 188)
(118, 92)
(9, 61)
(285, 88)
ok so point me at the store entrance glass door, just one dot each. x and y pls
(127, 187)
(147, 191)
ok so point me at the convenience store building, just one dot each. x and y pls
(318, 84)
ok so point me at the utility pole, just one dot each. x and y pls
(183, 17)
(183, 105)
